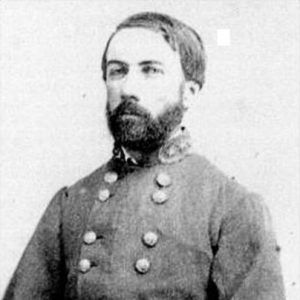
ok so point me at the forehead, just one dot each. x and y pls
(133, 45)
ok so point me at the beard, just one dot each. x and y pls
(133, 127)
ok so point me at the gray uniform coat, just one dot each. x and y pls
(171, 229)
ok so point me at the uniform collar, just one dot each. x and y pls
(176, 147)
(173, 150)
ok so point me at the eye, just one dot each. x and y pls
(152, 70)
(115, 72)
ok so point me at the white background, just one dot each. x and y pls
(53, 130)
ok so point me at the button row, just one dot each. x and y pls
(163, 180)
(142, 265)
(149, 239)
(109, 177)
(159, 197)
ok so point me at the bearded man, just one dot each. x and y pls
(156, 221)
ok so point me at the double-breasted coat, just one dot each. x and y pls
(173, 228)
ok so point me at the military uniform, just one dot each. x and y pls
(174, 227)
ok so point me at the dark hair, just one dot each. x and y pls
(178, 35)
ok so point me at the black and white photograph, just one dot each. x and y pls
(150, 150)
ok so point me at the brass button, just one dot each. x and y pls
(150, 239)
(89, 237)
(163, 179)
(142, 265)
(84, 265)
(111, 177)
(104, 195)
(159, 197)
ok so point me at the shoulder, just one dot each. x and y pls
(232, 196)
(79, 192)
(89, 181)
(200, 167)
(199, 170)
(232, 205)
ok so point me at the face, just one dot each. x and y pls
(141, 64)
(144, 82)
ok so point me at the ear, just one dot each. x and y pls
(191, 91)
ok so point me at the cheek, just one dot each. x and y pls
(161, 97)
(113, 96)
(169, 94)
(159, 103)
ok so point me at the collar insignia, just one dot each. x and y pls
(173, 150)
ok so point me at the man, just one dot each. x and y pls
(156, 221)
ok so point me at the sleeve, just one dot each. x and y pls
(246, 256)
(40, 272)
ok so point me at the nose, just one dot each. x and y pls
(131, 86)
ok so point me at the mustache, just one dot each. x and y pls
(129, 107)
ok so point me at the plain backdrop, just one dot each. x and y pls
(53, 130)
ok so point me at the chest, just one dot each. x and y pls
(143, 237)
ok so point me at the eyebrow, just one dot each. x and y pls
(150, 62)
(115, 61)
(143, 63)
